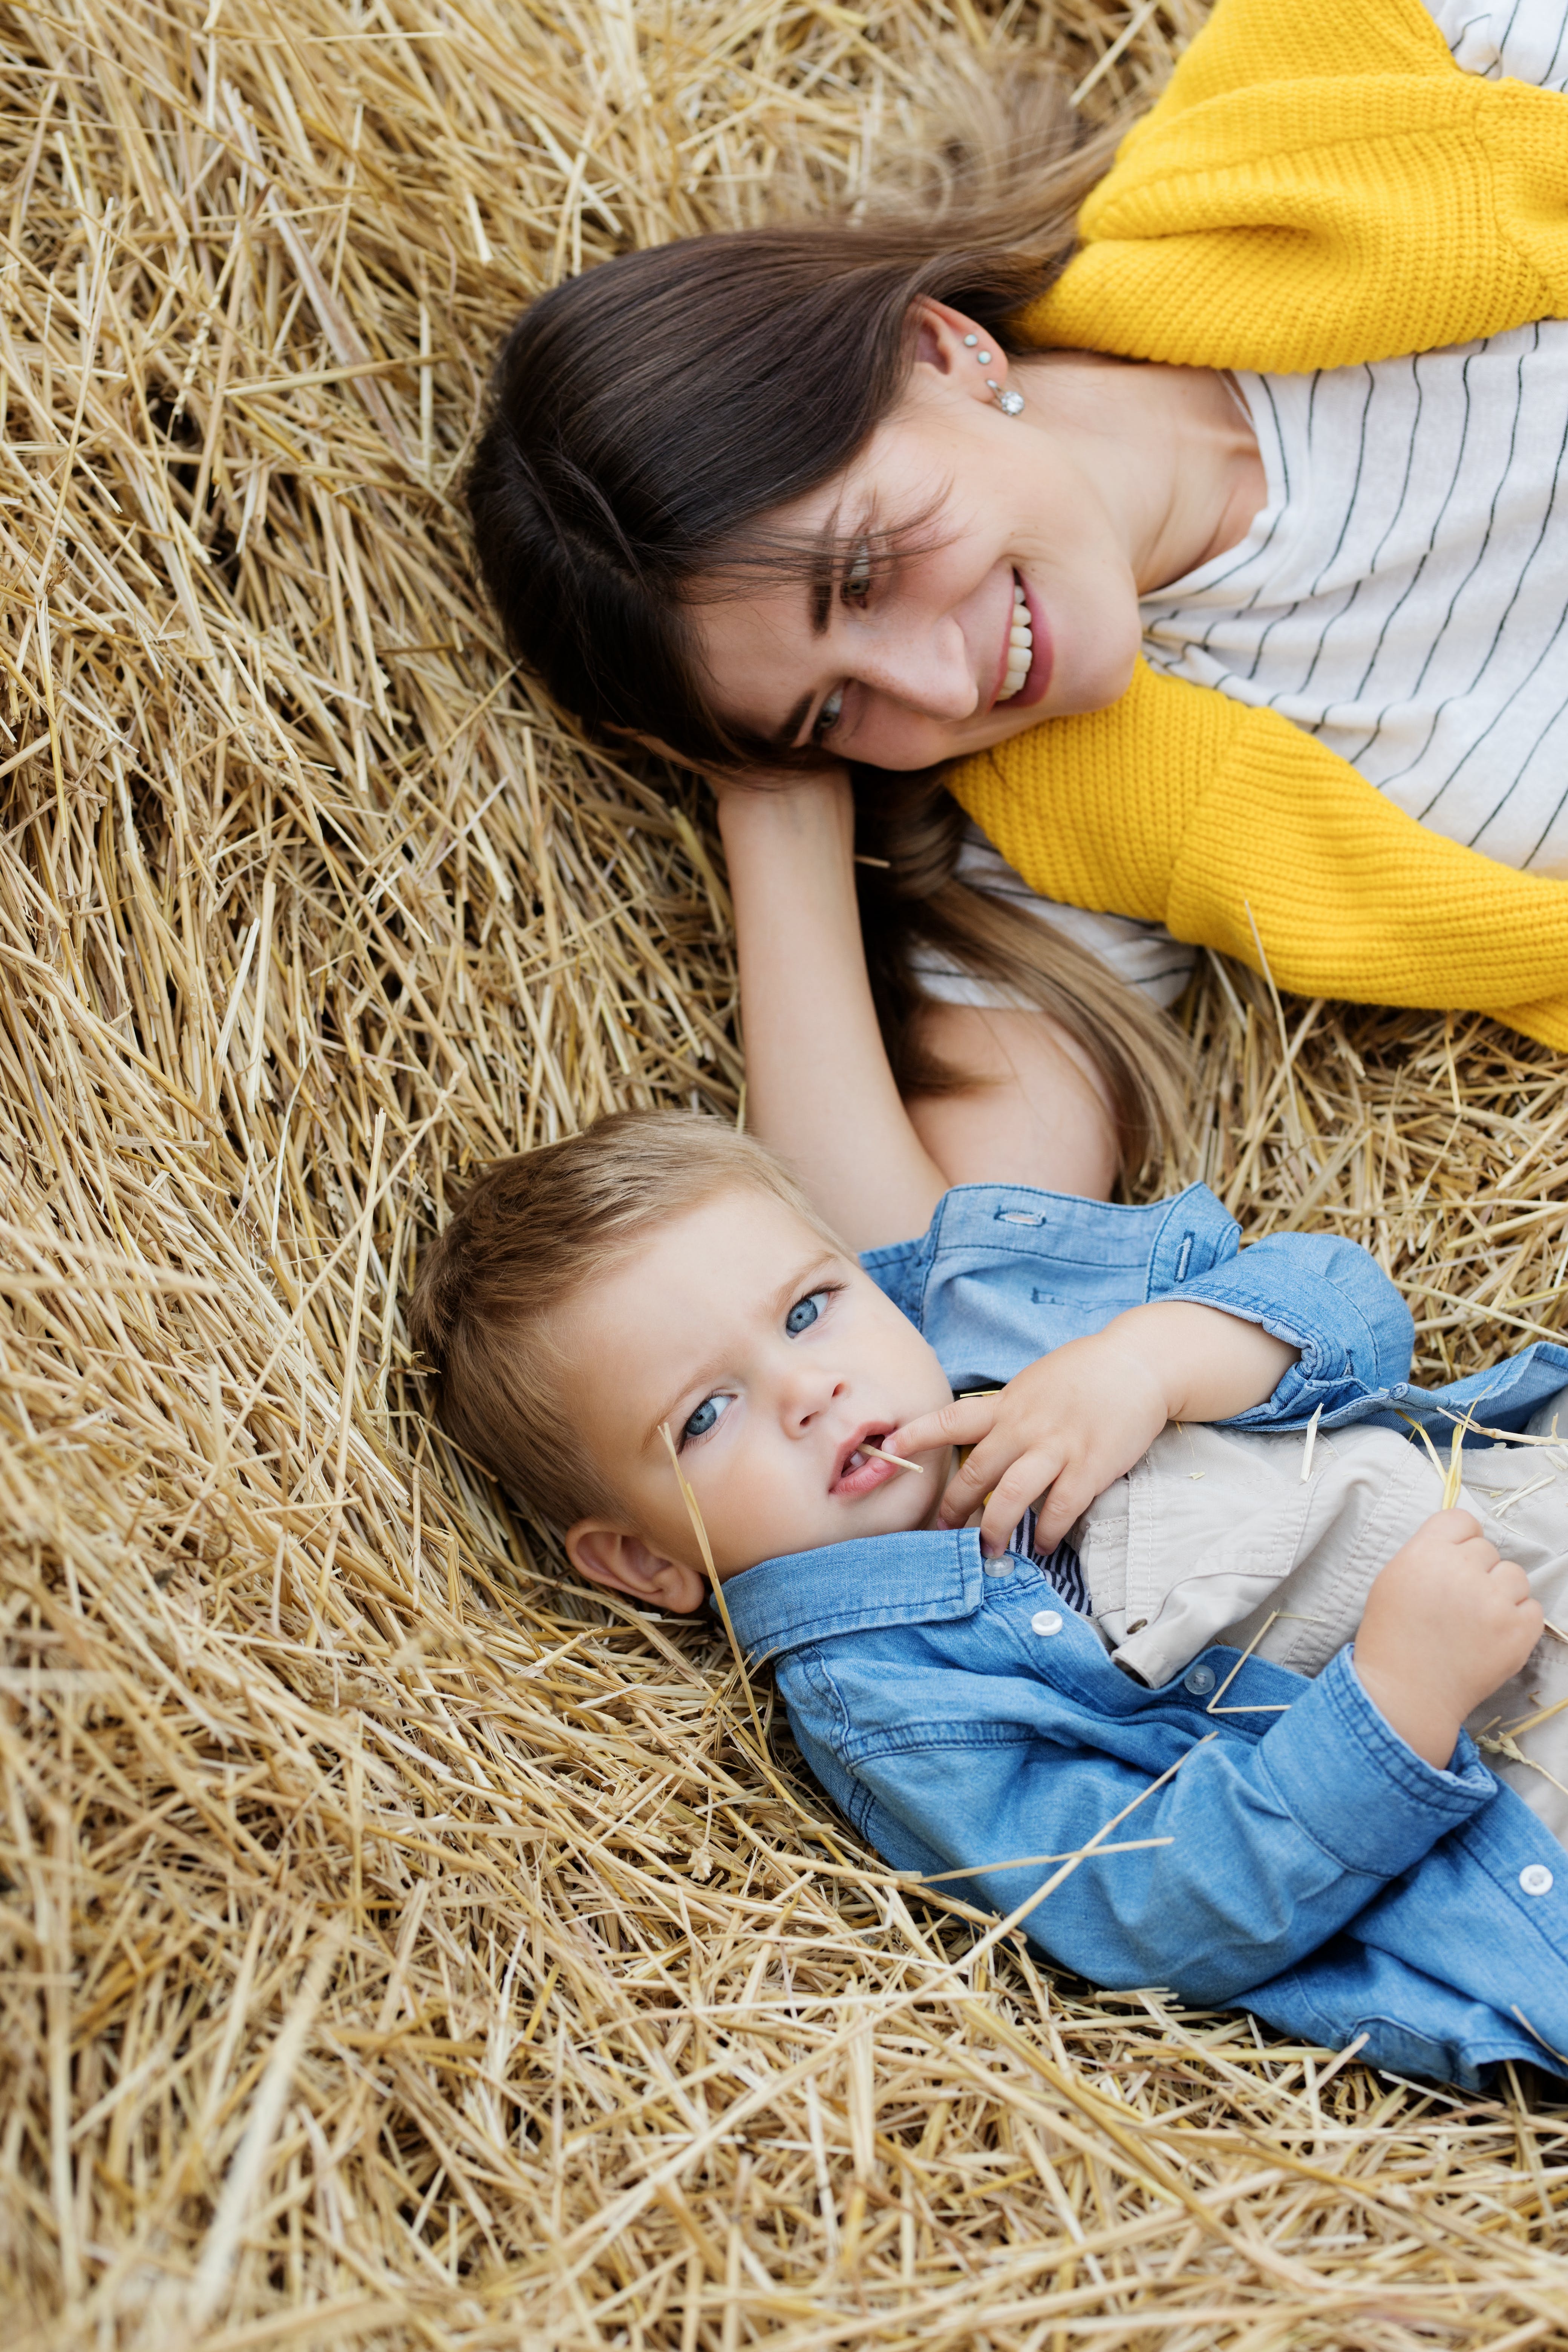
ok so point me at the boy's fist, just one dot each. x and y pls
(1446, 1624)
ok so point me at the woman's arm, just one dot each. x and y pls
(1240, 831)
(818, 1087)
(1035, 1111)
(1273, 210)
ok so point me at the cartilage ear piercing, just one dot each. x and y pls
(970, 341)
(984, 357)
(1010, 403)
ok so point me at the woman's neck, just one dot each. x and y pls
(1172, 450)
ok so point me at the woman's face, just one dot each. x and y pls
(1008, 594)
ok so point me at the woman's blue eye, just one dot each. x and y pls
(803, 1313)
(706, 1417)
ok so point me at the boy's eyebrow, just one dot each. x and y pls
(788, 1291)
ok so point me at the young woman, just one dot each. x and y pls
(1224, 580)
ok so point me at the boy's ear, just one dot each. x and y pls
(608, 1555)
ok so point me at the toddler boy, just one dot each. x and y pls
(966, 1650)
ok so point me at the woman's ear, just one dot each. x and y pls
(609, 1555)
(959, 349)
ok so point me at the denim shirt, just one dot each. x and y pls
(1310, 1866)
(1005, 1272)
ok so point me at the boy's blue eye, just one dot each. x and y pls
(803, 1313)
(706, 1417)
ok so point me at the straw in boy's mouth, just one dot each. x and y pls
(864, 1466)
(858, 1472)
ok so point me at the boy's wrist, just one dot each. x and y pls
(1158, 1338)
(1210, 1364)
(1420, 1718)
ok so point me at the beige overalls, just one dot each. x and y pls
(1215, 1535)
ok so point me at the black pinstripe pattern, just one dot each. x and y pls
(1404, 594)
(1410, 606)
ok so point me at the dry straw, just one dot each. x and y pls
(401, 1949)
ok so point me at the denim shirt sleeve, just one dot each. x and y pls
(1267, 1847)
(1330, 1299)
(1005, 1273)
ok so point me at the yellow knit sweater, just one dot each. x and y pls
(1319, 186)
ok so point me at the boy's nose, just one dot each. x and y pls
(809, 1394)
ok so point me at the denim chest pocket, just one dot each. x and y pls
(1106, 1301)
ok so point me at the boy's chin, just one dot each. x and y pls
(895, 1517)
(905, 1509)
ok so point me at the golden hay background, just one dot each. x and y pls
(399, 1948)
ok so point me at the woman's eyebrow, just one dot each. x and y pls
(788, 736)
(819, 588)
(824, 570)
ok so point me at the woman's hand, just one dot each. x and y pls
(1075, 1421)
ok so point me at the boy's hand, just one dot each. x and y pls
(1446, 1624)
(1072, 1423)
(1063, 1430)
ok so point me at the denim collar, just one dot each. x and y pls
(804, 1596)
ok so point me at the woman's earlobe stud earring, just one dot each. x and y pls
(1009, 403)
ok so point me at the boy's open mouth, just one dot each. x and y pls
(858, 1472)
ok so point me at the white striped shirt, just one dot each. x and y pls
(1402, 594)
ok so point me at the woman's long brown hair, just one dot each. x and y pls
(648, 417)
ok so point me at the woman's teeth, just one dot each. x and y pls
(1020, 647)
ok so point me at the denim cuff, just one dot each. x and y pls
(1326, 1298)
(1359, 1789)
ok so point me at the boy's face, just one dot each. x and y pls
(771, 1355)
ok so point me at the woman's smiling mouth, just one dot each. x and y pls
(1026, 654)
(1019, 657)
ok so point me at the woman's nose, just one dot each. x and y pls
(931, 671)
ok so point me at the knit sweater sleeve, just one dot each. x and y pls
(1318, 186)
(1240, 832)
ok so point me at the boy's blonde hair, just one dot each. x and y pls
(531, 1232)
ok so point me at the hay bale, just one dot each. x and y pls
(400, 1947)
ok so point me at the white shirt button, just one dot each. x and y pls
(1003, 1567)
(1047, 1621)
(1535, 1878)
(1200, 1681)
